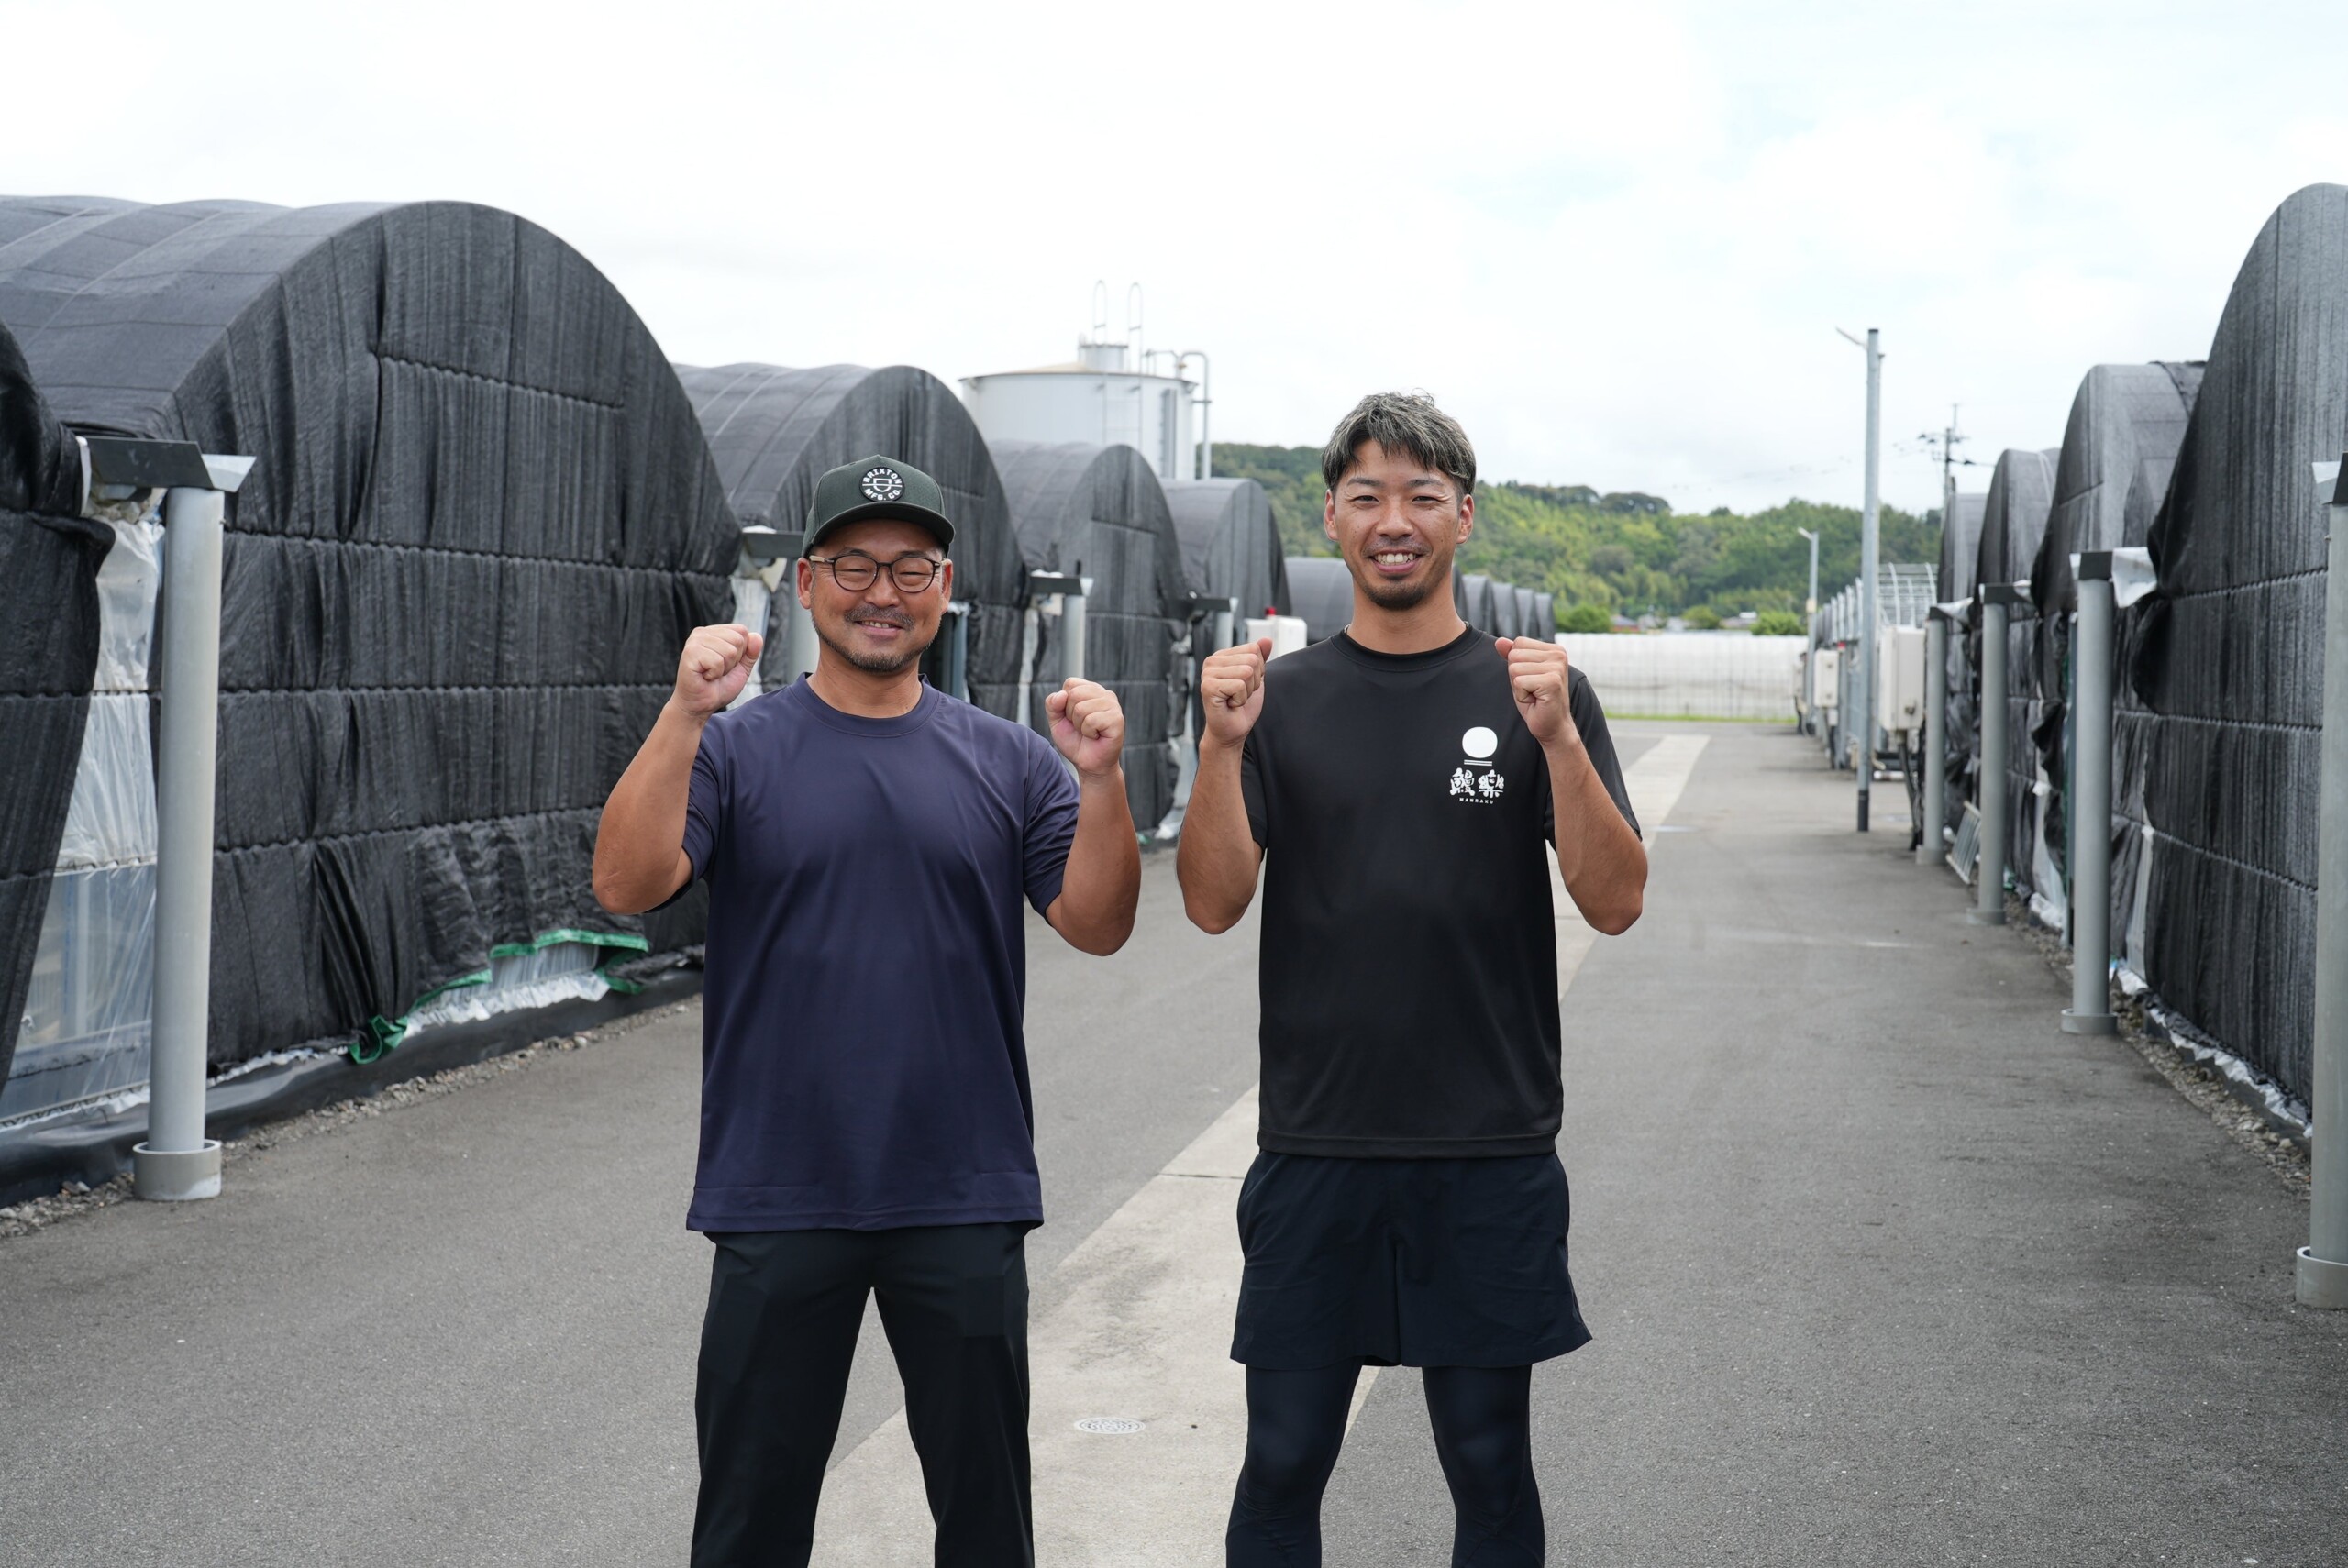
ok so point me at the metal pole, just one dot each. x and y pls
(2323, 1262)
(1990, 869)
(1072, 632)
(177, 1161)
(1929, 849)
(2090, 1008)
(1869, 550)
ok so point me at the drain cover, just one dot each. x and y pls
(1109, 1426)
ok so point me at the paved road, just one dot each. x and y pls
(1883, 1268)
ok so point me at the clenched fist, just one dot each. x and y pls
(1536, 670)
(1088, 725)
(1232, 687)
(714, 667)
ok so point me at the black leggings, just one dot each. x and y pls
(1296, 1423)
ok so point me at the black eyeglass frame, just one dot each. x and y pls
(931, 570)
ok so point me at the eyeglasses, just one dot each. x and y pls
(856, 571)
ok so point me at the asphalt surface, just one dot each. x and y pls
(1882, 1266)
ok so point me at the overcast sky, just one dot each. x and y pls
(1616, 239)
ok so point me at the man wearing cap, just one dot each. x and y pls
(866, 1121)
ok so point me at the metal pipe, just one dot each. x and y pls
(1203, 402)
(1929, 847)
(1072, 632)
(1989, 868)
(2090, 1008)
(1871, 551)
(802, 646)
(177, 1161)
(2323, 1262)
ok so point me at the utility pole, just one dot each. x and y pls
(1868, 550)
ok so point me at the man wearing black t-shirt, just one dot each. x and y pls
(1395, 784)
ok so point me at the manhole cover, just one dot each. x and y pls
(1109, 1426)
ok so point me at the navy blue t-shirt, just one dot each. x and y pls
(863, 1060)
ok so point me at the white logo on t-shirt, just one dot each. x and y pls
(1477, 779)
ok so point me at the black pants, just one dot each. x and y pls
(785, 1308)
(1483, 1436)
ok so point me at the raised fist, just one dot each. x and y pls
(1536, 672)
(714, 667)
(1088, 725)
(1232, 689)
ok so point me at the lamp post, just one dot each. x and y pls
(1868, 550)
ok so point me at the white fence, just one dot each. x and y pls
(1689, 675)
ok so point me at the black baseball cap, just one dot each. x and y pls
(875, 487)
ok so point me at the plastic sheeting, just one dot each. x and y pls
(2013, 522)
(773, 432)
(1689, 675)
(2119, 447)
(2227, 657)
(481, 523)
(1099, 512)
(1322, 589)
(1230, 547)
(49, 563)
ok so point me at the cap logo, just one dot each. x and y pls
(883, 484)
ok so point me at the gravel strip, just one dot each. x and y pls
(39, 1213)
(2197, 1081)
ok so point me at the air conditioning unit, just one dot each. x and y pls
(1899, 680)
(1826, 678)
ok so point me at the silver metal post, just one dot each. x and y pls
(1990, 869)
(2090, 1008)
(958, 652)
(2323, 1262)
(800, 645)
(1929, 849)
(1072, 632)
(177, 1161)
(1870, 552)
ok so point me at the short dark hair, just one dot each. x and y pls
(1408, 423)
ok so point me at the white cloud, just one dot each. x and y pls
(1615, 238)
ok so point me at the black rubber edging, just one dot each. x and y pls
(42, 1159)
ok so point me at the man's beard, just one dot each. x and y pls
(875, 664)
(1409, 593)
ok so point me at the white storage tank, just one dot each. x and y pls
(1115, 393)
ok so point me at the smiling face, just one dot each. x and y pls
(1398, 525)
(883, 628)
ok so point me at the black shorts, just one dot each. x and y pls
(1404, 1263)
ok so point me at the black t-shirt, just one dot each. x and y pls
(1409, 960)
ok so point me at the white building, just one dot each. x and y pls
(1114, 393)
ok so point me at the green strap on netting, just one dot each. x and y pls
(380, 1035)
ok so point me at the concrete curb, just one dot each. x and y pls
(42, 1160)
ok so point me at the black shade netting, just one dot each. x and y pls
(1100, 512)
(1960, 544)
(2013, 520)
(481, 522)
(48, 653)
(1230, 547)
(773, 432)
(2118, 449)
(1483, 604)
(2227, 657)
(1321, 591)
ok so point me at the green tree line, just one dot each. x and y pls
(1620, 551)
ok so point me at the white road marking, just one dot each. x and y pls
(1654, 782)
(1142, 1329)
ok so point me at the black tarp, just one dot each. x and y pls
(1507, 615)
(1960, 544)
(2119, 447)
(1483, 611)
(1321, 589)
(2013, 520)
(481, 523)
(773, 432)
(1544, 617)
(1528, 615)
(48, 653)
(1230, 547)
(2227, 656)
(1099, 512)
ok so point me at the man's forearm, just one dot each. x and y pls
(1101, 882)
(642, 834)
(1217, 859)
(1602, 862)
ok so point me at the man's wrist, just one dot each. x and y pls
(674, 708)
(1213, 744)
(1110, 777)
(1564, 747)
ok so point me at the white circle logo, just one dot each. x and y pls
(1480, 743)
(883, 484)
